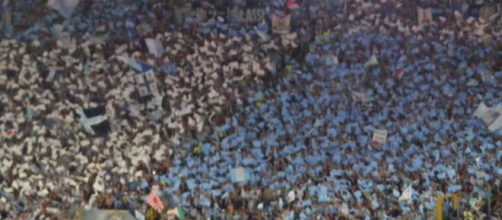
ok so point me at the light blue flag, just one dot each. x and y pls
(155, 47)
(64, 7)
(240, 174)
(323, 194)
(87, 69)
(29, 114)
(454, 188)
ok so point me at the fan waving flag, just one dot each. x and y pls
(64, 7)
(155, 202)
(94, 120)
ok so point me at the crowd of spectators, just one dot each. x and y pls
(296, 111)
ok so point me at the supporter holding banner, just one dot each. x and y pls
(154, 200)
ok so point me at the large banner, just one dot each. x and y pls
(249, 15)
(252, 15)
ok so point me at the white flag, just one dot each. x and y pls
(372, 61)
(155, 47)
(406, 196)
(492, 117)
(379, 137)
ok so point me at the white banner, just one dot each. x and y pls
(379, 136)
